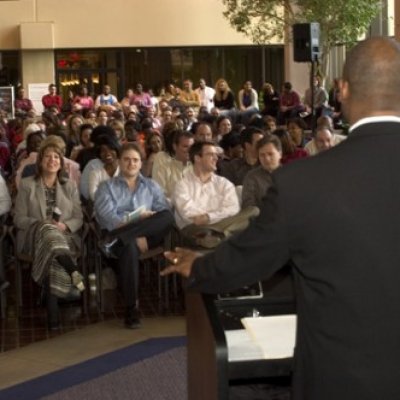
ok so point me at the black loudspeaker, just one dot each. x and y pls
(306, 42)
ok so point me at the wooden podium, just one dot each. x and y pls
(208, 319)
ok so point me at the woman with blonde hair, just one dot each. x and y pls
(119, 130)
(269, 100)
(224, 99)
(73, 131)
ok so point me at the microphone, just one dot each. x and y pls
(56, 214)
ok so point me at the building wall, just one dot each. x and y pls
(37, 66)
(38, 27)
(119, 23)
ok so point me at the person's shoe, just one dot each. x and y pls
(106, 247)
(132, 320)
(77, 281)
(53, 323)
(4, 285)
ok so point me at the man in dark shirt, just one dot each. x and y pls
(236, 169)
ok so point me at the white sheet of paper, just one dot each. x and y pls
(241, 347)
(276, 335)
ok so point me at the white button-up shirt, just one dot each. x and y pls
(192, 197)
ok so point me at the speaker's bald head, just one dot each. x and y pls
(372, 72)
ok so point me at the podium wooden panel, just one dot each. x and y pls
(209, 371)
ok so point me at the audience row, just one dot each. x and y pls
(206, 180)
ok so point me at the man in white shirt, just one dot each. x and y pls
(206, 205)
(106, 99)
(206, 95)
(323, 140)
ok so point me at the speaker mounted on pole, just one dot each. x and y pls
(306, 42)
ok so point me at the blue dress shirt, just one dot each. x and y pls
(114, 199)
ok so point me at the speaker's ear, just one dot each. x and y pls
(306, 42)
(344, 91)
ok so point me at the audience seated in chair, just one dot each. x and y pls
(236, 169)
(206, 95)
(94, 163)
(323, 140)
(48, 217)
(268, 100)
(224, 99)
(70, 168)
(169, 169)
(290, 152)
(258, 180)
(108, 149)
(296, 128)
(106, 100)
(289, 104)
(33, 142)
(84, 152)
(320, 99)
(154, 145)
(248, 102)
(119, 196)
(202, 132)
(189, 97)
(206, 205)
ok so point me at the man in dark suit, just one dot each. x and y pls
(342, 235)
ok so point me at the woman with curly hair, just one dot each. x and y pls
(48, 217)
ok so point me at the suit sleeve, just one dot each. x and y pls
(252, 255)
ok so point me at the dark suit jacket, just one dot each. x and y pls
(337, 216)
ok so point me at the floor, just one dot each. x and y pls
(28, 349)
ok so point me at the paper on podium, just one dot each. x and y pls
(276, 335)
(241, 347)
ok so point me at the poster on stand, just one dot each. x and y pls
(7, 100)
(35, 93)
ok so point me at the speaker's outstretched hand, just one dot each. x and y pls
(181, 261)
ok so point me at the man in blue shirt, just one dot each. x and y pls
(130, 235)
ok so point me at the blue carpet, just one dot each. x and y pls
(91, 369)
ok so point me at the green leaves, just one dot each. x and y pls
(341, 21)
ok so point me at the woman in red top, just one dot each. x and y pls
(290, 151)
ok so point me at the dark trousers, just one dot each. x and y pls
(154, 229)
